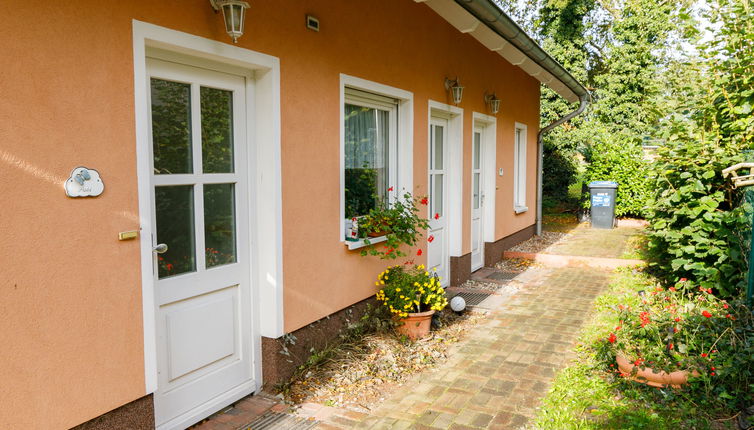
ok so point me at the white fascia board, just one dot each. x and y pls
(512, 54)
(456, 15)
(488, 38)
(531, 68)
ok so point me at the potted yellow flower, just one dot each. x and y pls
(412, 295)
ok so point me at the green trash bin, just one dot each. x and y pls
(602, 197)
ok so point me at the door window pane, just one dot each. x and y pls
(174, 207)
(438, 186)
(437, 148)
(220, 224)
(171, 127)
(367, 137)
(477, 149)
(476, 191)
(217, 130)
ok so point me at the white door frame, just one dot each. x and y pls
(489, 172)
(454, 203)
(265, 200)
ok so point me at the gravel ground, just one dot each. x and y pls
(540, 243)
(360, 374)
(517, 265)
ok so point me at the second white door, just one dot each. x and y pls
(437, 247)
(477, 201)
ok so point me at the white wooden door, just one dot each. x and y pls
(477, 201)
(200, 213)
(437, 247)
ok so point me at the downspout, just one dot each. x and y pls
(583, 103)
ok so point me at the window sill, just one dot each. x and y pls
(520, 209)
(361, 244)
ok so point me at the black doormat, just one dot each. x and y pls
(502, 276)
(473, 299)
(279, 421)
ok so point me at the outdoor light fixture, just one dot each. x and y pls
(493, 103)
(455, 88)
(234, 13)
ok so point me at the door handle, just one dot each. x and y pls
(160, 248)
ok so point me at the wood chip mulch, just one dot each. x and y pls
(359, 375)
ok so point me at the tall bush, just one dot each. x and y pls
(698, 227)
(695, 216)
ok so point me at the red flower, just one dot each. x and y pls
(430, 239)
(612, 338)
(670, 346)
(713, 373)
(707, 314)
(675, 330)
(725, 306)
(169, 267)
(390, 189)
(677, 319)
(704, 354)
(712, 368)
(437, 216)
(682, 280)
(672, 289)
(419, 252)
(728, 316)
(424, 200)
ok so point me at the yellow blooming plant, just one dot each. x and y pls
(406, 290)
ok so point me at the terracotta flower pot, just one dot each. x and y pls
(416, 325)
(650, 377)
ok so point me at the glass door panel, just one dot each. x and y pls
(171, 126)
(174, 208)
(219, 224)
(217, 130)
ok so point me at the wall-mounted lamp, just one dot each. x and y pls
(456, 88)
(234, 14)
(493, 103)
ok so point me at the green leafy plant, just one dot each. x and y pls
(399, 222)
(674, 329)
(404, 290)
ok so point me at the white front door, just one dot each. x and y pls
(200, 215)
(477, 201)
(437, 247)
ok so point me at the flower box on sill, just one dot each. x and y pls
(359, 243)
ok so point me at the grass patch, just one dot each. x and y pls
(636, 247)
(589, 395)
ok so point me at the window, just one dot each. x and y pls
(370, 150)
(519, 174)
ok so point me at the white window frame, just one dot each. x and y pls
(401, 143)
(520, 138)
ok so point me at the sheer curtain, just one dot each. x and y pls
(366, 158)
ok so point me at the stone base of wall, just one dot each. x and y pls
(493, 251)
(281, 356)
(460, 269)
(137, 415)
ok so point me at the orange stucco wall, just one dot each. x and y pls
(70, 292)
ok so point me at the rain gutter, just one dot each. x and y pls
(487, 12)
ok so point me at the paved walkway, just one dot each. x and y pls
(496, 376)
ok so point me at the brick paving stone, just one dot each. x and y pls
(497, 375)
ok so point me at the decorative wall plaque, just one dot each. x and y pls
(84, 182)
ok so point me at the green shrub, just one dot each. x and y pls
(695, 224)
(621, 160)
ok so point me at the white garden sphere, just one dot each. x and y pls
(458, 304)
